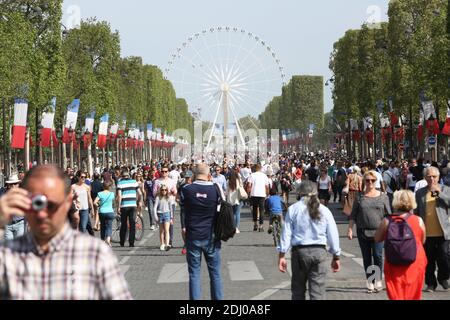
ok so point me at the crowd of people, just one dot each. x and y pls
(374, 195)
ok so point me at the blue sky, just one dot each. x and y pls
(301, 32)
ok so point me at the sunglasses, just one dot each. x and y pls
(371, 180)
(83, 177)
(163, 190)
(165, 171)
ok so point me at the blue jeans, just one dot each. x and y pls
(106, 220)
(370, 249)
(195, 248)
(14, 231)
(84, 218)
(237, 215)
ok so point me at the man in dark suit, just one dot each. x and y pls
(433, 204)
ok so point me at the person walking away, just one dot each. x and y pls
(433, 202)
(68, 264)
(368, 211)
(104, 202)
(258, 184)
(308, 228)
(232, 197)
(200, 200)
(150, 199)
(275, 207)
(340, 180)
(128, 200)
(17, 227)
(83, 192)
(390, 182)
(405, 282)
(164, 216)
(324, 187)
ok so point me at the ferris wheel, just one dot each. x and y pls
(225, 74)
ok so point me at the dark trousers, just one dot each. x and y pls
(127, 216)
(258, 202)
(437, 250)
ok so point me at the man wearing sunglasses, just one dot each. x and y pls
(53, 261)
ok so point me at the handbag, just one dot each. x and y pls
(369, 234)
(242, 194)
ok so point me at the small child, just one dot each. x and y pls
(275, 207)
(163, 216)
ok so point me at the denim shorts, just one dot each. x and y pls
(164, 217)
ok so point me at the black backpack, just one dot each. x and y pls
(393, 185)
(224, 228)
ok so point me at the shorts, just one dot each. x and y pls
(164, 217)
(324, 195)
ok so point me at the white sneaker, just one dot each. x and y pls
(378, 286)
(152, 227)
(162, 248)
(370, 287)
(237, 231)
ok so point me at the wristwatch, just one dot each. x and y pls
(336, 258)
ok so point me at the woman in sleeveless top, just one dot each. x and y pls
(83, 192)
(354, 183)
(405, 282)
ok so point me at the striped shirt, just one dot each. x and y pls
(128, 187)
(77, 267)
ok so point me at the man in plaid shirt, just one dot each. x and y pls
(53, 261)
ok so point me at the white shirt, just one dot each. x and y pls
(421, 184)
(379, 179)
(174, 175)
(259, 182)
(245, 173)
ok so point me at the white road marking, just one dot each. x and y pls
(174, 273)
(267, 293)
(244, 271)
(124, 269)
(347, 255)
(359, 261)
(124, 260)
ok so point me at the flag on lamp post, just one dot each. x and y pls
(149, 131)
(47, 124)
(103, 131)
(114, 130)
(446, 129)
(20, 124)
(89, 129)
(71, 120)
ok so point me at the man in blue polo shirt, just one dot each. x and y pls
(200, 200)
(129, 197)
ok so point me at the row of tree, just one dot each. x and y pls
(407, 56)
(40, 58)
(300, 105)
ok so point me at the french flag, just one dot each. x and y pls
(446, 129)
(89, 129)
(20, 124)
(47, 125)
(141, 138)
(114, 131)
(71, 120)
(103, 131)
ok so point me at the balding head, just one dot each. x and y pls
(202, 171)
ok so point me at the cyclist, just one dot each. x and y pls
(275, 206)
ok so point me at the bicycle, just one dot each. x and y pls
(115, 237)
